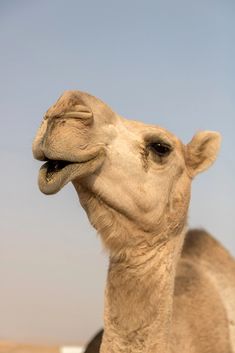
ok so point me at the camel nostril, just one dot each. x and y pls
(87, 118)
(80, 112)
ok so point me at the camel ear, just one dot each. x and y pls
(202, 151)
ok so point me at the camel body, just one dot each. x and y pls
(204, 297)
(165, 293)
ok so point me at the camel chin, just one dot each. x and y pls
(55, 174)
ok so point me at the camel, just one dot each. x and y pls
(168, 290)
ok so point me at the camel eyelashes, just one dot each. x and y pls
(162, 149)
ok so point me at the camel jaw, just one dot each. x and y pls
(55, 174)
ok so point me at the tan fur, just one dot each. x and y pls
(158, 298)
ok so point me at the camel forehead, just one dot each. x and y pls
(142, 129)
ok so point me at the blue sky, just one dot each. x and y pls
(168, 62)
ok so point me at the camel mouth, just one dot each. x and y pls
(55, 174)
(55, 166)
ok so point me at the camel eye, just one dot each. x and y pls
(160, 148)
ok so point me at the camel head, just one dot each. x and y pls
(128, 175)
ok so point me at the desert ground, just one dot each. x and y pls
(9, 347)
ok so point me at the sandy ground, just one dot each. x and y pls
(7, 347)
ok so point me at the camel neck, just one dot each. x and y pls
(138, 299)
